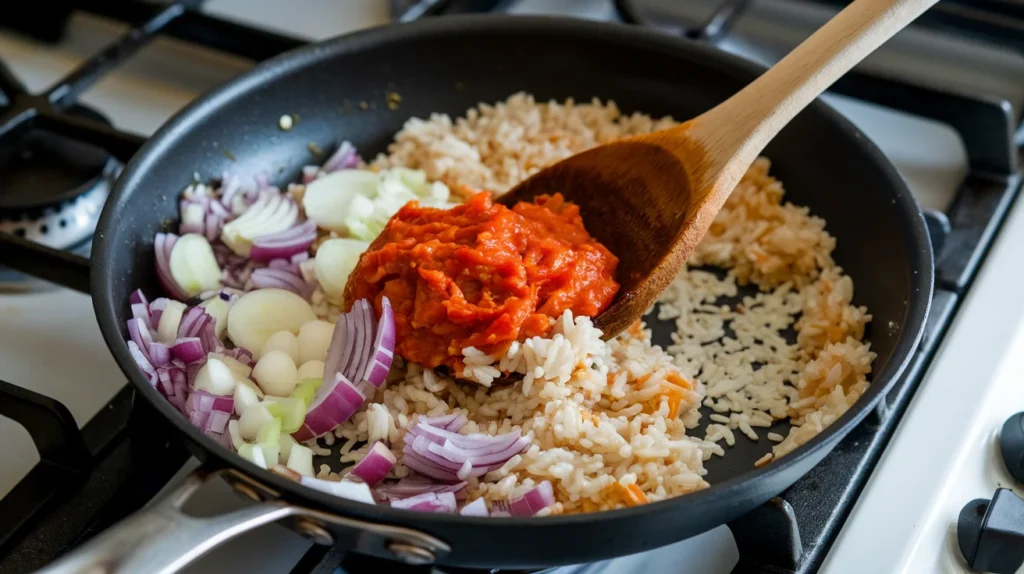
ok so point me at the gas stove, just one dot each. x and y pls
(922, 483)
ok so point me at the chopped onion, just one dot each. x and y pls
(217, 308)
(159, 354)
(244, 398)
(137, 297)
(327, 199)
(170, 319)
(287, 442)
(217, 422)
(333, 404)
(414, 485)
(162, 246)
(253, 454)
(535, 500)
(476, 508)
(272, 213)
(141, 311)
(313, 341)
(142, 361)
(290, 410)
(285, 341)
(334, 262)
(344, 488)
(192, 322)
(344, 157)
(276, 373)
(446, 455)
(377, 463)
(311, 370)
(427, 502)
(259, 314)
(300, 459)
(306, 390)
(284, 244)
(341, 347)
(236, 438)
(216, 378)
(193, 265)
(252, 420)
(188, 350)
(140, 335)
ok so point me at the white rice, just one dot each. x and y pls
(604, 418)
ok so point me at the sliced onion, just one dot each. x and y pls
(378, 365)
(284, 244)
(159, 354)
(162, 246)
(414, 485)
(345, 157)
(170, 320)
(156, 309)
(535, 500)
(192, 322)
(138, 298)
(272, 213)
(333, 404)
(344, 488)
(428, 502)
(377, 463)
(193, 264)
(188, 350)
(341, 347)
(476, 508)
(141, 311)
(268, 278)
(207, 402)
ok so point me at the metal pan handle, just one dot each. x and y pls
(161, 539)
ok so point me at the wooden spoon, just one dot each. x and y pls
(651, 198)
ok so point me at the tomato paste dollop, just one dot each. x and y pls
(482, 275)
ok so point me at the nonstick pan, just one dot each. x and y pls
(448, 65)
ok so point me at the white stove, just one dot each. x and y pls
(943, 451)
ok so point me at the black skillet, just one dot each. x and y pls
(448, 65)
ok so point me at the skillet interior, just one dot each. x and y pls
(448, 65)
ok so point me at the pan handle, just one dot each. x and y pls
(161, 539)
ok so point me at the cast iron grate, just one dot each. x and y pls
(120, 452)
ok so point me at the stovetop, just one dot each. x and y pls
(957, 151)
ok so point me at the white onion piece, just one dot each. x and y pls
(252, 420)
(216, 378)
(259, 314)
(343, 489)
(287, 442)
(245, 397)
(167, 330)
(476, 508)
(276, 374)
(311, 370)
(313, 341)
(300, 459)
(327, 199)
(236, 438)
(193, 265)
(334, 263)
(218, 309)
(283, 341)
(272, 212)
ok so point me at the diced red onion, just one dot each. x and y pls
(138, 298)
(208, 337)
(284, 244)
(141, 311)
(536, 499)
(300, 257)
(156, 310)
(198, 418)
(139, 333)
(188, 350)
(239, 354)
(428, 502)
(159, 354)
(377, 463)
(163, 244)
(476, 508)
(500, 508)
(142, 362)
(378, 364)
(267, 278)
(207, 402)
(447, 455)
(345, 157)
(333, 404)
(192, 322)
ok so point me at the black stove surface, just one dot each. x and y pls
(90, 479)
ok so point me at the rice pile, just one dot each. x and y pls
(609, 422)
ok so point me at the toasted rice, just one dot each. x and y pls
(603, 416)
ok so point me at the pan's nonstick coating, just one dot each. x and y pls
(338, 90)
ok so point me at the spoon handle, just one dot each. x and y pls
(737, 130)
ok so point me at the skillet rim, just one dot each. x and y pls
(918, 245)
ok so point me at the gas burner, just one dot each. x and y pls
(52, 190)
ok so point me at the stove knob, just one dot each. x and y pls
(1011, 443)
(991, 533)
